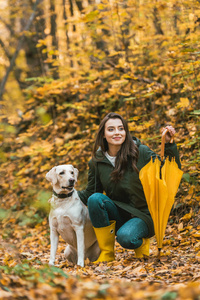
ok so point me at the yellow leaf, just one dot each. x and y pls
(184, 102)
(187, 217)
(185, 243)
(167, 242)
(139, 271)
(58, 141)
(117, 83)
(124, 94)
(167, 253)
(180, 227)
(191, 190)
(196, 235)
(197, 246)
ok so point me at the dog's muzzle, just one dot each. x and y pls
(69, 188)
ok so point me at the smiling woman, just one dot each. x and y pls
(114, 171)
(114, 139)
(115, 135)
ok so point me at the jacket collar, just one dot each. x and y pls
(100, 157)
(136, 141)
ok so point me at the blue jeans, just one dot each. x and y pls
(129, 230)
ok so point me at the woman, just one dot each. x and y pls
(114, 170)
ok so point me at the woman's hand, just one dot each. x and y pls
(169, 137)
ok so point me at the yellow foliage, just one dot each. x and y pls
(152, 80)
(183, 103)
(186, 217)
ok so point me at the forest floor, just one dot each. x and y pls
(25, 274)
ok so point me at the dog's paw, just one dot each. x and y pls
(70, 254)
(51, 263)
(80, 263)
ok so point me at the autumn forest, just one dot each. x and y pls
(63, 66)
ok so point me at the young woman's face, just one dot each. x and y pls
(114, 132)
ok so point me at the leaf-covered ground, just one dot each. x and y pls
(29, 151)
(25, 273)
(27, 155)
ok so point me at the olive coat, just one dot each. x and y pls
(128, 193)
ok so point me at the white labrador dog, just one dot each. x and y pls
(69, 218)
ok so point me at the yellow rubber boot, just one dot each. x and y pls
(106, 240)
(143, 250)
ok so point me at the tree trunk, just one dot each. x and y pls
(79, 5)
(54, 37)
(34, 56)
(66, 31)
(157, 21)
(72, 13)
(176, 18)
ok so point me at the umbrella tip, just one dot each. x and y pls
(159, 253)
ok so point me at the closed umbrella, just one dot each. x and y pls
(160, 187)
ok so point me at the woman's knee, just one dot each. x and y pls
(127, 240)
(123, 238)
(94, 201)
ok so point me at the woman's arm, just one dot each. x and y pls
(169, 151)
(170, 147)
(172, 151)
(93, 185)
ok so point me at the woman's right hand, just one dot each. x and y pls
(169, 137)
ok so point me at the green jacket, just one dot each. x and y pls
(128, 193)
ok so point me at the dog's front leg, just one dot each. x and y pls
(54, 237)
(80, 245)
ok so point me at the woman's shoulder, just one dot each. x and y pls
(136, 141)
(144, 151)
(141, 147)
(99, 156)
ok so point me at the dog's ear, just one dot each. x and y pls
(75, 174)
(52, 176)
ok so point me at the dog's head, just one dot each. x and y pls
(63, 177)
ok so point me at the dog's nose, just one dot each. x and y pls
(71, 181)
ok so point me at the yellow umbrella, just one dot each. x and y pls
(160, 188)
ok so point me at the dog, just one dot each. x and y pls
(69, 218)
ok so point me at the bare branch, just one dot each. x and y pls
(7, 53)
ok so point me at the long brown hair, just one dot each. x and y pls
(128, 150)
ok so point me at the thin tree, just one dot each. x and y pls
(54, 36)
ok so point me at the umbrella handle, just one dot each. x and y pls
(163, 144)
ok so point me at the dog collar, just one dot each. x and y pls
(62, 196)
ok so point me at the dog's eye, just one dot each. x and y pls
(62, 173)
(72, 172)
